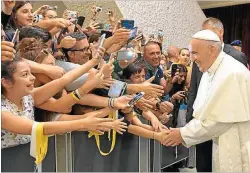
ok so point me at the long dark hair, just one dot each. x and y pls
(12, 22)
(179, 87)
(8, 68)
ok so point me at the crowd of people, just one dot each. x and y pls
(67, 77)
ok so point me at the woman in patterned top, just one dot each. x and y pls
(19, 97)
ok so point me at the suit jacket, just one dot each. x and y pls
(197, 74)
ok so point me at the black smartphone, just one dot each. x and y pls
(80, 21)
(128, 24)
(108, 33)
(63, 31)
(174, 69)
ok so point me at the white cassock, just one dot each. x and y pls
(222, 113)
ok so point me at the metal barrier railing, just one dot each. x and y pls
(75, 152)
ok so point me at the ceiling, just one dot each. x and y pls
(215, 4)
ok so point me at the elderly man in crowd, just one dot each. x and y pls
(225, 82)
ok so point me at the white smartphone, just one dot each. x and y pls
(15, 36)
(117, 89)
(102, 38)
(125, 55)
(136, 98)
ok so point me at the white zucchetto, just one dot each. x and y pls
(206, 35)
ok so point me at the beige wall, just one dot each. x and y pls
(179, 19)
(59, 4)
(84, 8)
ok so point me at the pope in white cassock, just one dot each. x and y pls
(221, 108)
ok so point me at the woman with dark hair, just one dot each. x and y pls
(17, 109)
(22, 15)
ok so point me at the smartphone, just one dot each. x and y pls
(72, 14)
(63, 31)
(15, 36)
(174, 69)
(80, 21)
(117, 89)
(133, 33)
(136, 98)
(128, 24)
(108, 33)
(106, 26)
(125, 55)
(101, 25)
(160, 33)
(37, 18)
(101, 41)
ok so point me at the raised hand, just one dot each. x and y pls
(120, 36)
(122, 102)
(164, 118)
(161, 136)
(144, 104)
(166, 107)
(99, 125)
(95, 80)
(152, 89)
(60, 23)
(157, 125)
(7, 51)
(41, 9)
(97, 53)
(119, 126)
(178, 96)
(173, 138)
(107, 83)
(108, 68)
(176, 77)
(91, 28)
(67, 42)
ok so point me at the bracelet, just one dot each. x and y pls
(74, 96)
(112, 103)
(78, 94)
(109, 102)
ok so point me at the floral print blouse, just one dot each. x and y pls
(9, 139)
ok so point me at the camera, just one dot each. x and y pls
(37, 18)
(72, 15)
(98, 9)
(184, 93)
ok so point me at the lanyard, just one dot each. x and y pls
(97, 136)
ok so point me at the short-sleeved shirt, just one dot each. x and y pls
(9, 139)
(150, 73)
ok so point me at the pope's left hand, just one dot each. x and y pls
(174, 138)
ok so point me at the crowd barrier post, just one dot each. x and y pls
(63, 153)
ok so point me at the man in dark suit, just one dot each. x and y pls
(204, 150)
